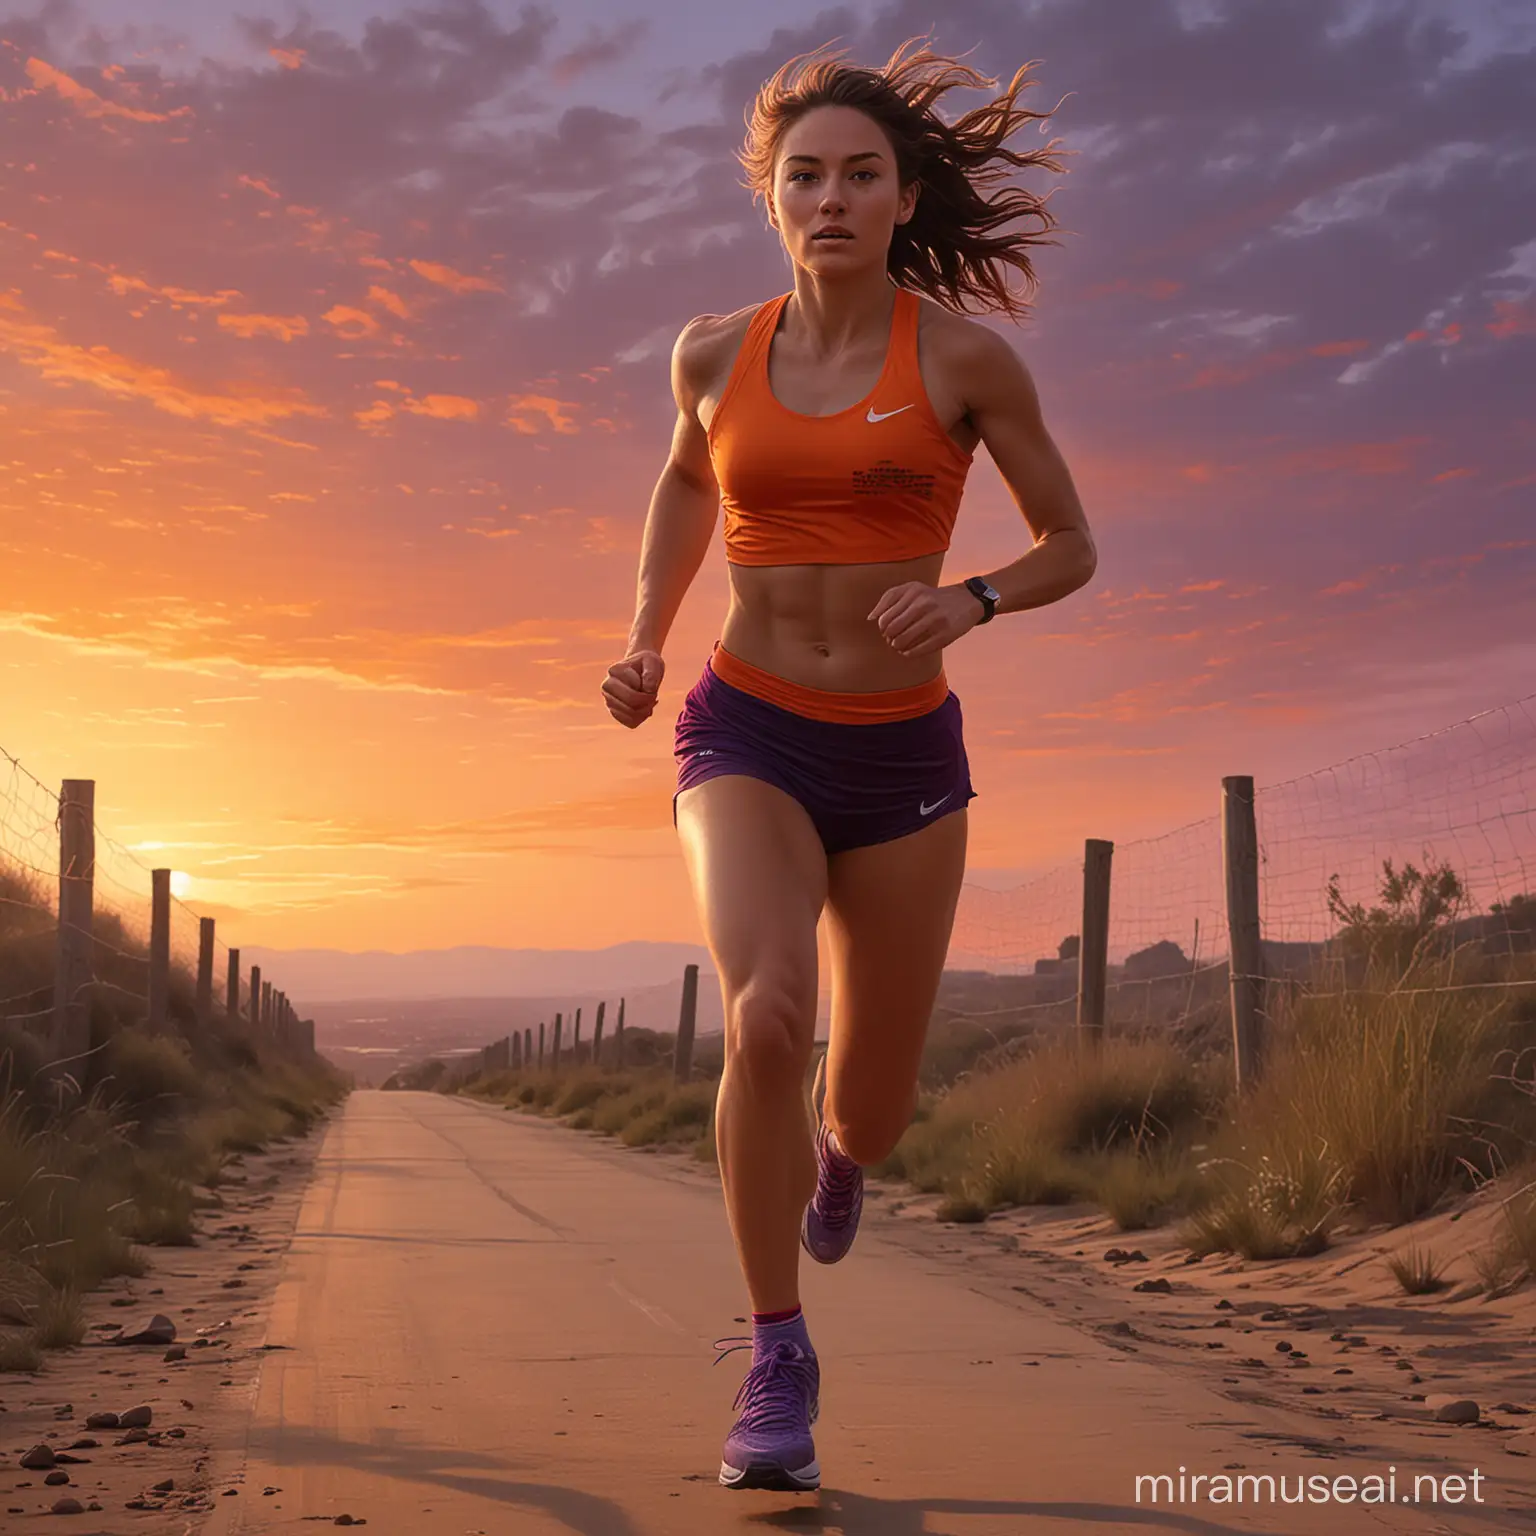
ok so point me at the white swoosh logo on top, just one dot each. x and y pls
(873, 416)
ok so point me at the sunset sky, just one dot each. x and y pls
(333, 388)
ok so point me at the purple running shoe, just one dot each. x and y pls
(831, 1220)
(770, 1444)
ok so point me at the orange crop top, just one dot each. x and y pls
(878, 481)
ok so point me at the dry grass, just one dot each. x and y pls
(1380, 1101)
(1418, 1271)
(1060, 1124)
(90, 1169)
(641, 1107)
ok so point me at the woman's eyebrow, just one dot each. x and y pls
(867, 154)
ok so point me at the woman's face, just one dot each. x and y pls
(836, 166)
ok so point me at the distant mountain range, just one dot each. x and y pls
(311, 976)
(334, 975)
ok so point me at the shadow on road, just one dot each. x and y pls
(857, 1514)
(586, 1514)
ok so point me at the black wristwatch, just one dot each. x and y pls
(988, 596)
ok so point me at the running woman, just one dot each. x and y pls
(821, 763)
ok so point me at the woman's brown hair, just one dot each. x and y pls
(947, 249)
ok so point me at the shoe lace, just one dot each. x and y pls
(839, 1182)
(774, 1393)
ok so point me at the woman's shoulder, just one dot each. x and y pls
(963, 338)
(707, 345)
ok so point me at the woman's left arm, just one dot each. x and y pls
(1001, 401)
(1003, 404)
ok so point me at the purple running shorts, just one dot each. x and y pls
(860, 783)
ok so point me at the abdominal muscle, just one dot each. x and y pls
(810, 624)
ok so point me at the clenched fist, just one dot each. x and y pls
(631, 687)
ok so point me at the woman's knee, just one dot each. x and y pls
(768, 1033)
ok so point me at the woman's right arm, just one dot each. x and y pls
(678, 528)
(684, 504)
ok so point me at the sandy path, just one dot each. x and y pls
(493, 1324)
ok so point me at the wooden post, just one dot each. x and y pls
(528, 1046)
(541, 1045)
(554, 1048)
(597, 1037)
(576, 1041)
(682, 1060)
(71, 1026)
(159, 947)
(1093, 944)
(204, 972)
(618, 1040)
(253, 1002)
(517, 1050)
(232, 988)
(266, 1005)
(1240, 856)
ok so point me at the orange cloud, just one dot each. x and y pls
(257, 184)
(445, 407)
(178, 297)
(284, 327)
(526, 409)
(1452, 474)
(1390, 458)
(39, 346)
(376, 414)
(45, 77)
(1221, 375)
(390, 301)
(1148, 288)
(1338, 348)
(456, 282)
(1516, 318)
(343, 317)
(289, 58)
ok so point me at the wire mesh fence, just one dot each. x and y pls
(141, 948)
(1454, 806)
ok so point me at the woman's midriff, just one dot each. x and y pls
(791, 630)
(823, 704)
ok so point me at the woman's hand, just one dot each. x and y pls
(916, 619)
(631, 687)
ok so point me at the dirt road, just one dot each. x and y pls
(491, 1324)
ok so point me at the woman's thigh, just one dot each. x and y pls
(890, 912)
(759, 878)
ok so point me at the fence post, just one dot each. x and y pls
(232, 987)
(71, 1024)
(554, 1046)
(541, 1045)
(204, 972)
(528, 1047)
(159, 947)
(1093, 945)
(597, 1038)
(253, 1001)
(1240, 855)
(618, 1040)
(683, 1057)
(266, 1005)
(517, 1050)
(576, 1041)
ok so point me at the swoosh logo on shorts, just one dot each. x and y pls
(924, 809)
(881, 416)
